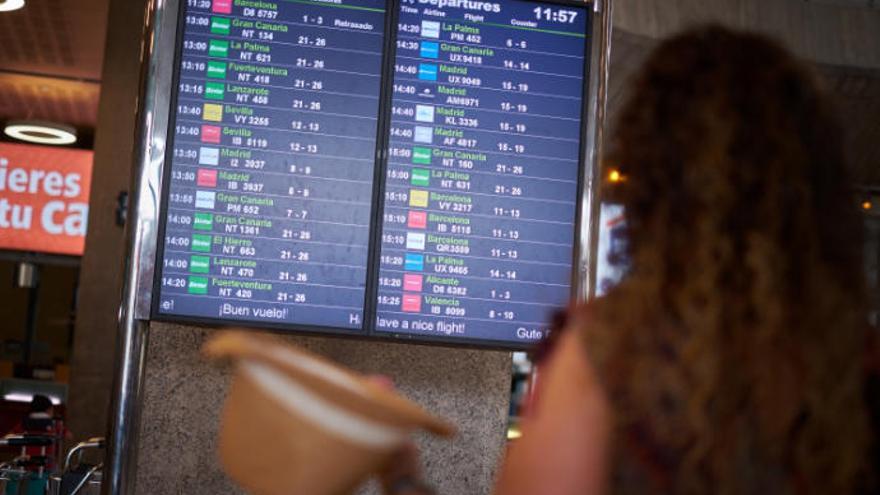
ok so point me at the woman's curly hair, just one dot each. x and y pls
(732, 351)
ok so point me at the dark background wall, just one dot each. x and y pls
(54, 315)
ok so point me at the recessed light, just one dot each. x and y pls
(27, 397)
(10, 5)
(615, 176)
(41, 132)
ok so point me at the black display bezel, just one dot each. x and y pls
(368, 331)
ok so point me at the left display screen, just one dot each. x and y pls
(270, 185)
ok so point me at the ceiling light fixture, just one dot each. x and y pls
(28, 396)
(41, 132)
(10, 5)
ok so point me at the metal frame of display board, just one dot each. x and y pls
(581, 247)
(158, 51)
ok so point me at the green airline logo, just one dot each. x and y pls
(198, 285)
(421, 177)
(201, 243)
(220, 25)
(215, 91)
(200, 264)
(218, 48)
(422, 156)
(203, 221)
(216, 70)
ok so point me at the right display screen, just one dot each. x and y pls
(478, 231)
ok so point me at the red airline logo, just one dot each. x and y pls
(211, 134)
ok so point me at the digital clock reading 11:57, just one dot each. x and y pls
(548, 14)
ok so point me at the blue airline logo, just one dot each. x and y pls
(427, 72)
(430, 49)
(414, 262)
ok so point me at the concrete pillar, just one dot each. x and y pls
(183, 396)
(101, 270)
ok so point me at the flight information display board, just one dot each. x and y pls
(268, 211)
(402, 169)
(482, 183)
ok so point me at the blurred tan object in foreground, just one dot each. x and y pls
(297, 423)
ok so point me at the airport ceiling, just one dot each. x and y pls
(51, 53)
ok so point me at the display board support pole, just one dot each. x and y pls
(142, 229)
(121, 461)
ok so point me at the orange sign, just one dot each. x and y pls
(44, 198)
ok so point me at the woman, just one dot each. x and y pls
(729, 360)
